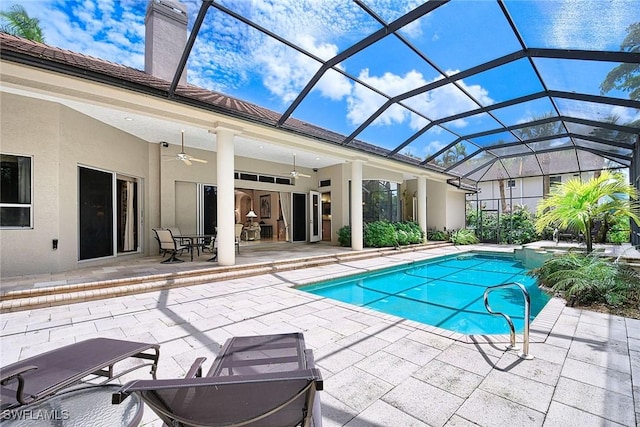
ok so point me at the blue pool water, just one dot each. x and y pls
(446, 292)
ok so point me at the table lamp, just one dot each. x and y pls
(251, 215)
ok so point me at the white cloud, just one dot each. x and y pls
(444, 101)
(588, 24)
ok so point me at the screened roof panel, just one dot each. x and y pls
(591, 161)
(573, 75)
(540, 128)
(450, 75)
(496, 171)
(586, 25)
(432, 141)
(493, 139)
(550, 144)
(401, 71)
(475, 161)
(479, 174)
(508, 81)
(340, 23)
(471, 124)
(605, 148)
(325, 106)
(510, 150)
(612, 135)
(626, 116)
(521, 166)
(395, 125)
(441, 102)
(526, 111)
(454, 154)
(454, 37)
(559, 162)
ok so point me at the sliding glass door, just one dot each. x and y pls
(96, 213)
(108, 214)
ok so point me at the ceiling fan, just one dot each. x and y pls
(294, 173)
(187, 159)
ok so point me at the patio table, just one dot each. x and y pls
(195, 241)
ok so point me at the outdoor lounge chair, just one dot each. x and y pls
(266, 380)
(43, 375)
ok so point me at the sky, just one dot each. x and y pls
(234, 59)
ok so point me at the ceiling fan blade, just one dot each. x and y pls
(193, 159)
(303, 175)
(186, 161)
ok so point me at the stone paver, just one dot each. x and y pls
(378, 370)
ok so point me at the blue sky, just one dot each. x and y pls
(236, 60)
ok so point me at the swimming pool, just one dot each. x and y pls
(446, 292)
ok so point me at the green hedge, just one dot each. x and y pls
(382, 234)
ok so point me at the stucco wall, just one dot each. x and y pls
(60, 140)
(30, 127)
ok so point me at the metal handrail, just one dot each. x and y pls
(527, 313)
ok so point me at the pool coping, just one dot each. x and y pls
(539, 329)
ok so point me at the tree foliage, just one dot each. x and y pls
(575, 205)
(16, 21)
(626, 76)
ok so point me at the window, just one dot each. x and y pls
(555, 180)
(380, 201)
(511, 183)
(15, 190)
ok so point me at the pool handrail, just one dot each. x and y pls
(524, 354)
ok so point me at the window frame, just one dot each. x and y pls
(21, 205)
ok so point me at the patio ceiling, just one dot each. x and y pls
(493, 93)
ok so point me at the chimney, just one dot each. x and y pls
(165, 38)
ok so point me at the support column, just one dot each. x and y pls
(226, 199)
(422, 204)
(634, 177)
(356, 205)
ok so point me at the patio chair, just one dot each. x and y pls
(239, 228)
(169, 244)
(267, 380)
(46, 374)
(176, 233)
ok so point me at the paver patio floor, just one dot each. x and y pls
(379, 370)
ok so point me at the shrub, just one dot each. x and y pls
(438, 235)
(379, 234)
(465, 236)
(518, 227)
(588, 279)
(408, 233)
(344, 236)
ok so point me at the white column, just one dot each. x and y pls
(422, 204)
(226, 200)
(356, 205)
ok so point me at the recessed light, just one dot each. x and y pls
(129, 119)
(262, 146)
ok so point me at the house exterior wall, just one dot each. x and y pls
(527, 191)
(62, 140)
(18, 135)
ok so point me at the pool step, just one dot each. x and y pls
(26, 299)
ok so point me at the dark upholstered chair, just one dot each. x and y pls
(43, 375)
(266, 380)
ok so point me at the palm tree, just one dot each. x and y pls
(626, 76)
(575, 205)
(17, 22)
